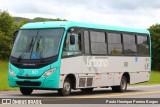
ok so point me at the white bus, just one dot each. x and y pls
(72, 55)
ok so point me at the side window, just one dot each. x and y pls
(72, 49)
(98, 43)
(142, 45)
(114, 44)
(129, 42)
(86, 42)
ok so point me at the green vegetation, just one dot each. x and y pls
(155, 77)
(6, 29)
(155, 37)
(37, 19)
(4, 76)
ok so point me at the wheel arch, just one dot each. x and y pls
(72, 78)
(127, 75)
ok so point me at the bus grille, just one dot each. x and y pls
(85, 82)
(28, 83)
(82, 82)
(23, 77)
(89, 82)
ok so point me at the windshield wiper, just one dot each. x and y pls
(28, 48)
(37, 46)
(38, 43)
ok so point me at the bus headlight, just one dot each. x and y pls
(11, 73)
(49, 72)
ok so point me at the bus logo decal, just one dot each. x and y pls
(97, 62)
(27, 74)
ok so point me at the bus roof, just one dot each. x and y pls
(68, 24)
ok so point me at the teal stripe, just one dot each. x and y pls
(68, 24)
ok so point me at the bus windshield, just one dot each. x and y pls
(37, 43)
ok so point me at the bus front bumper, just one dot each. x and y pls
(51, 82)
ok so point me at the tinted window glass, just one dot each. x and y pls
(129, 39)
(142, 39)
(98, 44)
(114, 38)
(97, 36)
(115, 49)
(130, 49)
(143, 46)
(98, 48)
(114, 44)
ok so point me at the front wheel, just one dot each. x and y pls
(26, 91)
(66, 90)
(122, 87)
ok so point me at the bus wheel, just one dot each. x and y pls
(26, 91)
(122, 87)
(86, 89)
(66, 90)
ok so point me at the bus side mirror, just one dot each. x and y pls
(72, 39)
(15, 35)
(15, 32)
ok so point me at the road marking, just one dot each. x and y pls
(144, 86)
(118, 95)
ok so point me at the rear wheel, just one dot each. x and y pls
(26, 91)
(86, 89)
(66, 90)
(122, 87)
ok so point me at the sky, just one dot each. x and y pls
(127, 13)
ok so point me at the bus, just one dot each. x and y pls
(66, 55)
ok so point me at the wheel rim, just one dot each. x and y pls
(123, 84)
(67, 87)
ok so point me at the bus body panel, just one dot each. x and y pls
(106, 70)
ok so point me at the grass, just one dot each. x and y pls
(4, 76)
(154, 79)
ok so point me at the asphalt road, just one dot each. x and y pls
(97, 97)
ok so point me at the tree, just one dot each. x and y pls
(6, 31)
(5, 46)
(19, 24)
(155, 37)
(6, 23)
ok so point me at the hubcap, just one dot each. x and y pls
(66, 87)
(123, 84)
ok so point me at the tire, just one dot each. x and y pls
(86, 89)
(26, 91)
(122, 87)
(66, 90)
